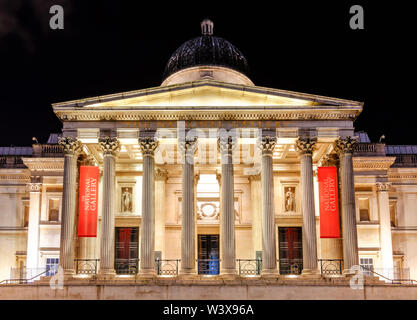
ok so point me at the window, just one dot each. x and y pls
(51, 266)
(393, 214)
(53, 212)
(368, 266)
(364, 209)
(26, 215)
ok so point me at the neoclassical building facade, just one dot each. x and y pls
(208, 174)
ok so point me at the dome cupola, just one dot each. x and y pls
(207, 57)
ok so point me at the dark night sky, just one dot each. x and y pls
(109, 47)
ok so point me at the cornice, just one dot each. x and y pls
(372, 163)
(208, 113)
(44, 164)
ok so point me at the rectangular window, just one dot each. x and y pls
(26, 215)
(368, 266)
(53, 214)
(393, 214)
(364, 209)
(51, 266)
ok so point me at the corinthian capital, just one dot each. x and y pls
(306, 145)
(345, 145)
(109, 145)
(188, 146)
(161, 174)
(34, 187)
(267, 144)
(69, 145)
(383, 186)
(226, 144)
(148, 145)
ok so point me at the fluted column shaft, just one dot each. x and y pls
(306, 147)
(147, 234)
(71, 148)
(350, 238)
(188, 225)
(110, 147)
(227, 218)
(385, 235)
(269, 262)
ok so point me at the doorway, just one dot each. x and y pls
(290, 250)
(126, 255)
(208, 254)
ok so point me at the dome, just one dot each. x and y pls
(206, 50)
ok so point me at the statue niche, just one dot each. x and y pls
(127, 199)
(289, 199)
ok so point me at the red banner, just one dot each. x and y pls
(328, 200)
(87, 207)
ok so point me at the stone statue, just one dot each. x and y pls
(126, 200)
(289, 200)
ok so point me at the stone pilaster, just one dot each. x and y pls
(344, 147)
(306, 147)
(188, 224)
(227, 218)
(71, 148)
(385, 235)
(110, 148)
(32, 256)
(256, 207)
(269, 259)
(160, 180)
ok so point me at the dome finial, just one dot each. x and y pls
(207, 27)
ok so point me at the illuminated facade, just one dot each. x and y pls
(208, 174)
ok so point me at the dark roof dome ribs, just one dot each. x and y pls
(206, 50)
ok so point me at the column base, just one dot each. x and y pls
(107, 274)
(311, 273)
(269, 273)
(228, 274)
(146, 274)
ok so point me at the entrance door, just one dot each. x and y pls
(290, 250)
(126, 256)
(208, 254)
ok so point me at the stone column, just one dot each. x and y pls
(385, 236)
(227, 213)
(344, 147)
(71, 148)
(188, 225)
(110, 147)
(160, 179)
(148, 146)
(32, 256)
(305, 147)
(256, 207)
(269, 255)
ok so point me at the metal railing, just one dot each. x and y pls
(208, 266)
(25, 280)
(330, 267)
(249, 267)
(86, 266)
(126, 266)
(290, 266)
(370, 271)
(167, 267)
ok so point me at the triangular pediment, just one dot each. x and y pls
(205, 94)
